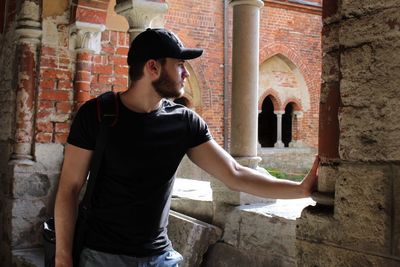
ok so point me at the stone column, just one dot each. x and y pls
(86, 40)
(29, 31)
(139, 14)
(279, 142)
(245, 71)
(245, 65)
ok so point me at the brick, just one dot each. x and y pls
(63, 107)
(102, 69)
(47, 84)
(118, 60)
(82, 86)
(61, 137)
(64, 85)
(83, 76)
(84, 56)
(123, 51)
(44, 137)
(62, 127)
(121, 70)
(91, 15)
(45, 127)
(55, 95)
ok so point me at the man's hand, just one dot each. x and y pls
(310, 181)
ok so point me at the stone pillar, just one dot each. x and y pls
(29, 31)
(139, 14)
(86, 40)
(245, 64)
(245, 71)
(279, 142)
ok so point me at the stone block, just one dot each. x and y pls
(26, 223)
(327, 175)
(28, 258)
(265, 230)
(50, 155)
(317, 223)
(371, 27)
(191, 237)
(319, 254)
(330, 38)
(224, 255)
(354, 8)
(369, 134)
(193, 198)
(363, 207)
(33, 185)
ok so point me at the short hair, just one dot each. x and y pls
(136, 69)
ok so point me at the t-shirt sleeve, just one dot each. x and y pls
(199, 132)
(84, 127)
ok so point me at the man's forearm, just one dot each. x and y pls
(65, 218)
(257, 183)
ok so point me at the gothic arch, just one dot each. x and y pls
(271, 50)
(283, 76)
(274, 98)
(295, 102)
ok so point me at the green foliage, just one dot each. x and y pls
(297, 177)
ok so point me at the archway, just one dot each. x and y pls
(267, 124)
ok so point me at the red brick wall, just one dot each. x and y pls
(296, 35)
(199, 23)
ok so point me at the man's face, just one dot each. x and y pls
(172, 78)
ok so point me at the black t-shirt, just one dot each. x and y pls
(132, 194)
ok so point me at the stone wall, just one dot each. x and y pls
(361, 45)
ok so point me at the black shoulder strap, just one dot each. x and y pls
(107, 114)
(107, 108)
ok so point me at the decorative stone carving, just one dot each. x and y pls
(139, 14)
(86, 36)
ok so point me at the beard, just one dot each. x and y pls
(166, 87)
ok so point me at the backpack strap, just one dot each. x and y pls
(107, 115)
(107, 108)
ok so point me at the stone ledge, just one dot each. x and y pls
(28, 257)
(191, 237)
(265, 234)
(193, 198)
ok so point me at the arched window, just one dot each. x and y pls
(267, 124)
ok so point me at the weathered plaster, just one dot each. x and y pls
(54, 8)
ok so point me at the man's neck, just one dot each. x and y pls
(141, 99)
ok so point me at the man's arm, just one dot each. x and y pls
(213, 159)
(73, 176)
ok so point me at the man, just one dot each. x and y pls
(132, 194)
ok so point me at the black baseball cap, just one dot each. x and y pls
(159, 43)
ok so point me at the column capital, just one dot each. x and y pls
(86, 36)
(140, 13)
(279, 112)
(257, 3)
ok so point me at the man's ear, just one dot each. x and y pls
(153, 68)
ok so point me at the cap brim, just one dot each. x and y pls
(190, 53)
